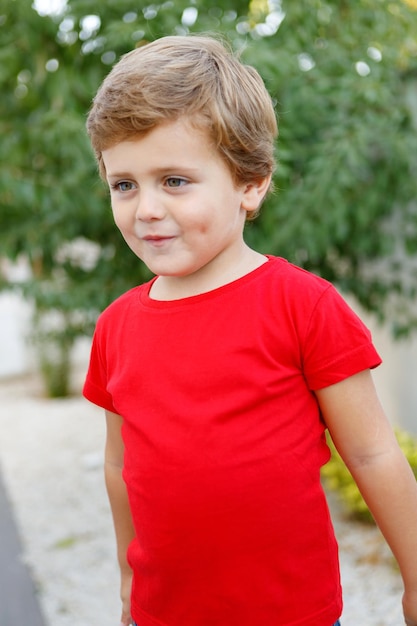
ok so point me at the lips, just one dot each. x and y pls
(158, 240)
(157, 237)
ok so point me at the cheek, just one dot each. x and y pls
(119, 218)
(194, 224)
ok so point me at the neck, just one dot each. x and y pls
(179, 287)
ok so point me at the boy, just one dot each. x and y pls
(220, 376)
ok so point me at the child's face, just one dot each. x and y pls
(175, 202)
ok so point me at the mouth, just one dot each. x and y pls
(158, 240)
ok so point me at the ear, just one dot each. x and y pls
(254, 192)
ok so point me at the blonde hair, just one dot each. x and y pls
(195, 77)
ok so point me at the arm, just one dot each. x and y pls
(367, 444)
(116, 489)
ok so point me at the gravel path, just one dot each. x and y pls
(51, 457)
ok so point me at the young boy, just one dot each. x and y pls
(220, 376)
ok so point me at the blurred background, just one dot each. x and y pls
(343, 77)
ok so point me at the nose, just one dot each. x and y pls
(149, 206)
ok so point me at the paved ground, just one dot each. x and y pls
(18, 598)
(51, 457)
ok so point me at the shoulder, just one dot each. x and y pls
(294, 277)
(310, 303)
(295, 288)
(119, 309)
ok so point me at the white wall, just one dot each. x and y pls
(15, 355)
(396, 378)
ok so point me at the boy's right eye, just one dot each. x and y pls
(123, 186)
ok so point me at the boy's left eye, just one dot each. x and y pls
(174, 182)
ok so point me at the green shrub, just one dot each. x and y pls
(337, 477)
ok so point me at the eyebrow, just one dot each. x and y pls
(118, 175)
(166, 169)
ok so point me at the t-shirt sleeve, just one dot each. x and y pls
(337, 343)
(95, 385)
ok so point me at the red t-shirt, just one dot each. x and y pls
(224, 443)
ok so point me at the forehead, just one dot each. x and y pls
(180, 141)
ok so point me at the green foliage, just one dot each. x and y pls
(55, 365)
(337, 477)
(347, 174)
(344, 77)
